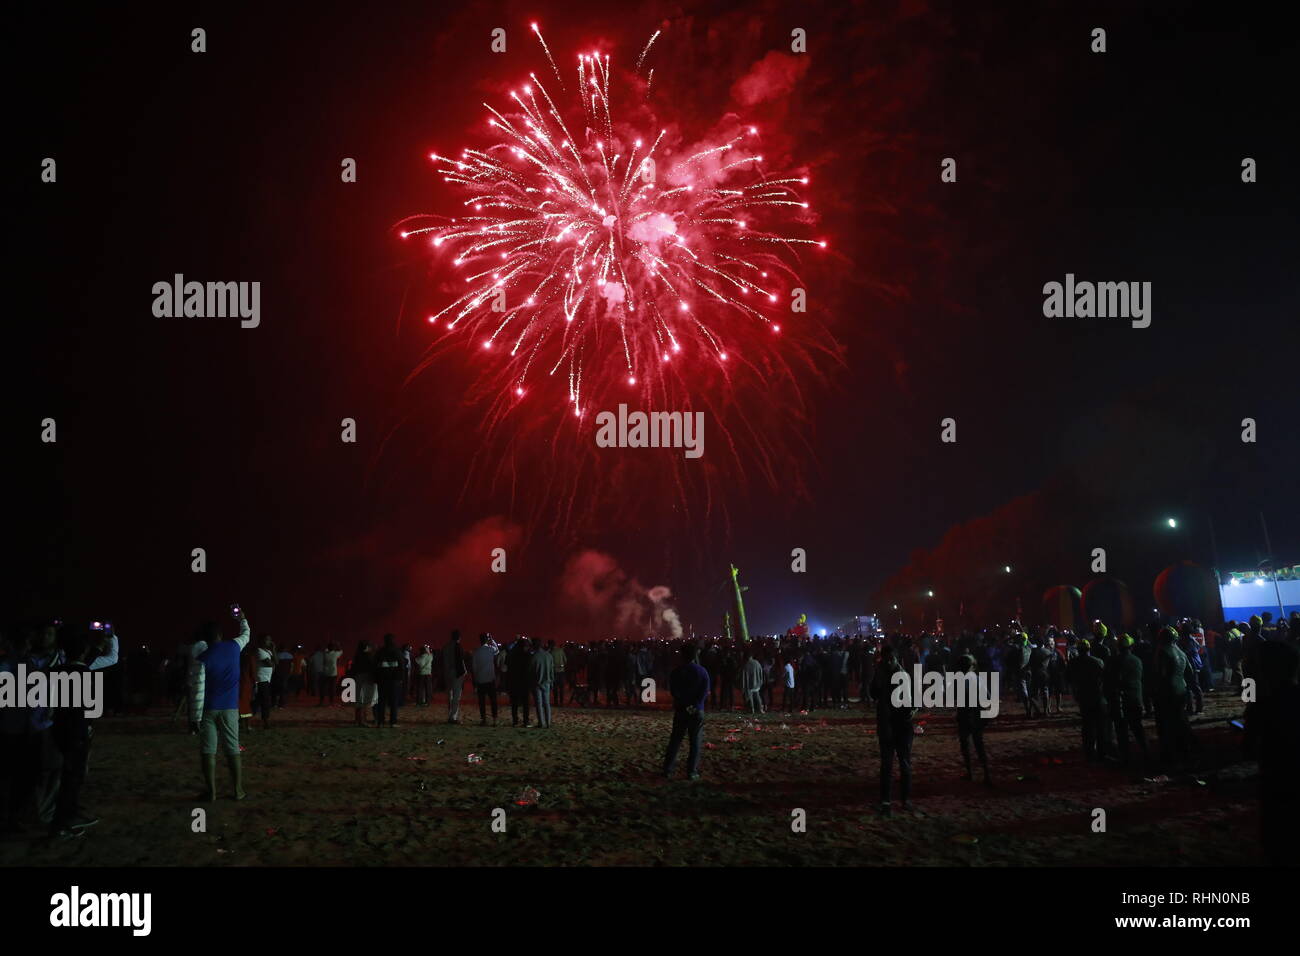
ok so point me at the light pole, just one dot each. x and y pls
(1173, 524)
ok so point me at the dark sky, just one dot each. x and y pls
(183, 433)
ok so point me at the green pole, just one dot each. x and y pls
(740, 605)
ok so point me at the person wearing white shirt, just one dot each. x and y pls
(329, 673)
(788, 702)
(263, 670)
(751, 683)
(424, 677)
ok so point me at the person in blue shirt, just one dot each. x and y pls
(689, 685)
(221, 705)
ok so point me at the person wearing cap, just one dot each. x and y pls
(1232, 656)
(1169, 689)
(1192, 651)
(1085, 676)
(1123, 679)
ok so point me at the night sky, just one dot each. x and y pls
(182, 433)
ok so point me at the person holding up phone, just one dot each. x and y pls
(219, 703)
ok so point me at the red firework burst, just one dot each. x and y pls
(602, 261)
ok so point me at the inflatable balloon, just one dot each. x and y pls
(1061, 607)
(1107, 599)
(1187, 589)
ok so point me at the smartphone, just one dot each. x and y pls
(97, 625)
(234, 611)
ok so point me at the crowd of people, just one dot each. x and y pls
(1118, 680)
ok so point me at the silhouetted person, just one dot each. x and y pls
(1124, 682)
(541, 675)
(485, 676)
(71, 734)
(453, 672)
(362, 673)
(689, 686)
(1169, 690)
(893, 729)
(518, 679)
(390, 675)
(1085, 674)
(970, 726)
(1273, 734)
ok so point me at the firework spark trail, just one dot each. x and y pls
(612, 262)
(649, 44)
